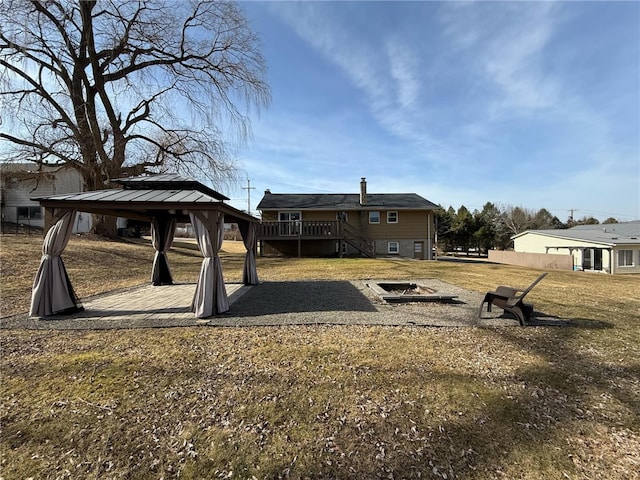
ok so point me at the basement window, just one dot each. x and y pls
(393, 248)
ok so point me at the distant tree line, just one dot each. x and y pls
(492, 227)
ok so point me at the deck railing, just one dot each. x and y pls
(318, 230)
(300, 229)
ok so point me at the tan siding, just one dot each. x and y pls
(318, 216)
(270, 216)
(411, 224)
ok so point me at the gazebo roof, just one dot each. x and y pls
(168, 181)
(144, 197)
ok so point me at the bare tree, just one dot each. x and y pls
(131, 86)
(517, 219)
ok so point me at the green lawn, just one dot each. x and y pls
(321, 402)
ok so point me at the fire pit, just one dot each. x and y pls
(395, 292)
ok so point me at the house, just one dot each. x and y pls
(20, 182)
(611, 248)
(366, 224)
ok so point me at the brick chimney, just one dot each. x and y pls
(363, 191)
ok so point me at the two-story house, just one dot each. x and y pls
(366, 224)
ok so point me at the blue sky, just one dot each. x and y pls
(532, 104)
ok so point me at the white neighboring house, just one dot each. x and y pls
(19, 182)
(611, 248)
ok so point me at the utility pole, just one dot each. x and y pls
(248, 188)
(571, 210)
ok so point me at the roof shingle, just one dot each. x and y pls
(343, 201)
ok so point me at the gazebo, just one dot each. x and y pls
(163, 200)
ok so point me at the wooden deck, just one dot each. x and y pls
(300, 229)
(315, 230)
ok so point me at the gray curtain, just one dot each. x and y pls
(52, 292)
(162, 230)
(210, 297)
(250, 272)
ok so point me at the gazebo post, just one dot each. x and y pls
(48, 219)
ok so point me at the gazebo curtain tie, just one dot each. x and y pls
(163, 229)
(210, 296)
(248, 231)
(52, 292)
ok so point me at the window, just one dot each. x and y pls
(289, 223)
(393, 248)
(392, 217)
(29, 213)
(374, 217)
(625, 258)
(342, 216)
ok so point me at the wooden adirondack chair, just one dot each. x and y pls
(507, 299)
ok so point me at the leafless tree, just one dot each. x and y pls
(517, 219)
(118, 87)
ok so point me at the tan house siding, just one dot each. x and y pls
(270, 216)
(411, 224)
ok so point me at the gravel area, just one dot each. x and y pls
(279, 303)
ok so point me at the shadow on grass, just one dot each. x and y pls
(538, 410)
(541, 319)
(555, 395)
(544, 320)
(271, 298)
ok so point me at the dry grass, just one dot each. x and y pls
(322, 402)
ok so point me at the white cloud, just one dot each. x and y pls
(386, 70)
(404, 69)
(508, 42)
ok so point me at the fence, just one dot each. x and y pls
(533, 260)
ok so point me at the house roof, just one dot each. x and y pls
(343, 201)
(613, 234)
(142, 198)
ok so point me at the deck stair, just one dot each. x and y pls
(354, 238)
